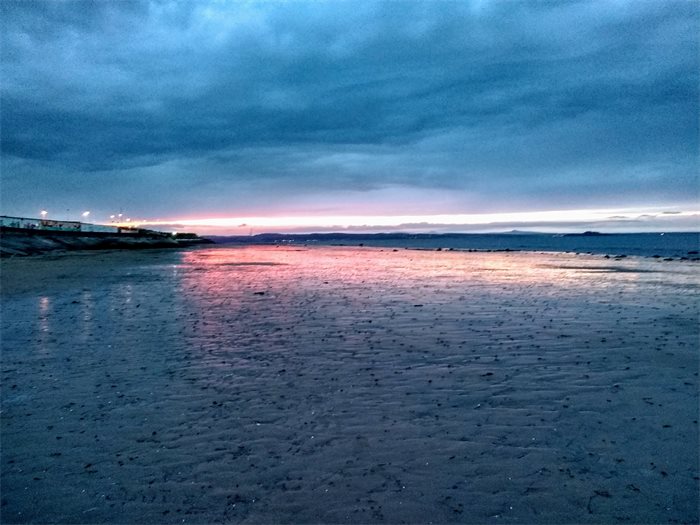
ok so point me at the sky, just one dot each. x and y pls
(478, 115)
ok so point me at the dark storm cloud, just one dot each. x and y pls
(519, 101)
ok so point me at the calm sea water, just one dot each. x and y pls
(639, 244)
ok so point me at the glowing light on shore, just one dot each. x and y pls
(409, 222)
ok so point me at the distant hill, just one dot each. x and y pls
(325, 238)
(520, 232)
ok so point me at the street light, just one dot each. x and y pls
(43, 214)
(85, 214)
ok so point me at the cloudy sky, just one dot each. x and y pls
(371, 114)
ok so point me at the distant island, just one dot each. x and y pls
(585, 234)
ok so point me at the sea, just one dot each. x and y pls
(657, 245)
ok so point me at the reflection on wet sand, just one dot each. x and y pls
(278, 384)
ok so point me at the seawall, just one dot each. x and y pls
(23, 242)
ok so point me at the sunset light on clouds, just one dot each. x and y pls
(556, 221)
(353, 114)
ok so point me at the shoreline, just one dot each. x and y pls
(664, 245)
(540, 252)
(110, 243)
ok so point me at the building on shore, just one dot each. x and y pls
(26, 223)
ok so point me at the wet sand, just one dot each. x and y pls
(348, 385)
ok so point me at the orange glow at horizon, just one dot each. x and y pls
(408, 221)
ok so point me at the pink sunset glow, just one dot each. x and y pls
(554, 221)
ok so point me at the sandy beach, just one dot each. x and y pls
(348, 385)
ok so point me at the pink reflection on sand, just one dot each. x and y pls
(245, 297)
(222, 271)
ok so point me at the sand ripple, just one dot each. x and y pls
(330, 385)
